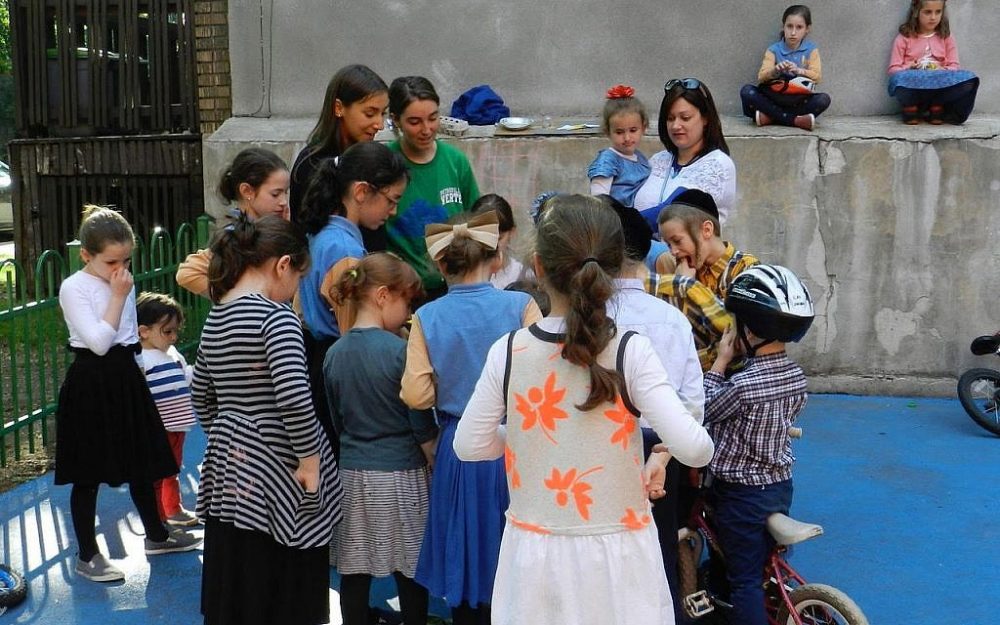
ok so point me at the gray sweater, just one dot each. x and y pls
(378, 432)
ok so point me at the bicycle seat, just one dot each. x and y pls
(983, 345)
(788, 531)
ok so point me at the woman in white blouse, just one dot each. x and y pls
(696, 157)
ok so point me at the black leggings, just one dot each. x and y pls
(354, 590)
(468, 615)
(83, 509)
(957, 100)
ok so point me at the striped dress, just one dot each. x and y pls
(265, 537)
(252, 397)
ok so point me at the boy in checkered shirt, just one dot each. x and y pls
(748, 416)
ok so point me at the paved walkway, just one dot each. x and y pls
(906, 489)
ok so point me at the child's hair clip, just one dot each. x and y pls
(620, 91)
(538, 203)
(353, 273)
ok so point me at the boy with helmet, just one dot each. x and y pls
(748, 416)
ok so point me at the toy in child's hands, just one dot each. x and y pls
(799, 85)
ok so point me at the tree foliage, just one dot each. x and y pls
(5, 64)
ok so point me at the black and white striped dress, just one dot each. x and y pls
(251, 392)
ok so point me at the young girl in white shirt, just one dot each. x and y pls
(107, 427)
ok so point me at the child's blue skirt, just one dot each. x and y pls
(458, 559)
(929, 79)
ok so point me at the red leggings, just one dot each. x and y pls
(168, 490)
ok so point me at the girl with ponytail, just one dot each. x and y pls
(572, 388)
(269, 490)
(385, 448)
(254, 184)
(357, 190)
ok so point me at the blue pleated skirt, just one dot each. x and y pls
(461, 548)
(929, 79)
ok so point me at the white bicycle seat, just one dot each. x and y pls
(788, 531)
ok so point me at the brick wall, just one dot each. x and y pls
(211, 31)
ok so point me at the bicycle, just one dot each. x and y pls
(788, 598)
(979, 389)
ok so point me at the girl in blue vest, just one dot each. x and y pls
(447, 348)
(791, 58)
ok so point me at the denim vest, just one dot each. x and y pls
(459, 330)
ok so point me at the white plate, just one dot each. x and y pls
(516, 123)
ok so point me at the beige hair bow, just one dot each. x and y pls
(483, 228)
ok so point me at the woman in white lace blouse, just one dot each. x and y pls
(696, 157)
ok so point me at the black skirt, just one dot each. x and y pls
(107, 427)
(249, 579)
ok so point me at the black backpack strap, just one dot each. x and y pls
(620, 367)
(506, 371)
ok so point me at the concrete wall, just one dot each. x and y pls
(559, 56)
(895, 229)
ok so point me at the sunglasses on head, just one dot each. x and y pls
(690, 84)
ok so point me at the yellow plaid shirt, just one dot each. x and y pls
(702, 299)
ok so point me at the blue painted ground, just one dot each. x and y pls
(907, 490)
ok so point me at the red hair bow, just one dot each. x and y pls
(620, 91)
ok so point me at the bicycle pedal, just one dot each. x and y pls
(452, 126)
(697, 604)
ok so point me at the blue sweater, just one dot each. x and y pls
(338, 239)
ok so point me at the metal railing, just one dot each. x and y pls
(33, 335)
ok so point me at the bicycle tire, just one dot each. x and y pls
(819, 604)
(13, 590)
(983, 410)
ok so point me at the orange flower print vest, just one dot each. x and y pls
(569, 471)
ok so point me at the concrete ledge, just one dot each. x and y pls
(894, 228)
(828, 128)
(901, 386)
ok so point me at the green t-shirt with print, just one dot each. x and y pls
(437, 190)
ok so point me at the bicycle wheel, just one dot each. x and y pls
(978, 390)
(819, 604)
(12, 587)
(688, 558)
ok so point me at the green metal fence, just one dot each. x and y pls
(33, 336)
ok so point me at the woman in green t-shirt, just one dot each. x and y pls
(441, 180)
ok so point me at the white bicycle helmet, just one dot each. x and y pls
(771, 302)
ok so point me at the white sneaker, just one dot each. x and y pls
(99, 570)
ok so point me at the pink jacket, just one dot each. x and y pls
(935, 52)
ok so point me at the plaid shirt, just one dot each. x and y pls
(748, 416)
(720, 274)
(699, 304)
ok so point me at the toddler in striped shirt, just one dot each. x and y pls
(169, 377)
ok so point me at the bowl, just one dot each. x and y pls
(516, 123)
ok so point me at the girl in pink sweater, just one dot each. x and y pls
(924, 74)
